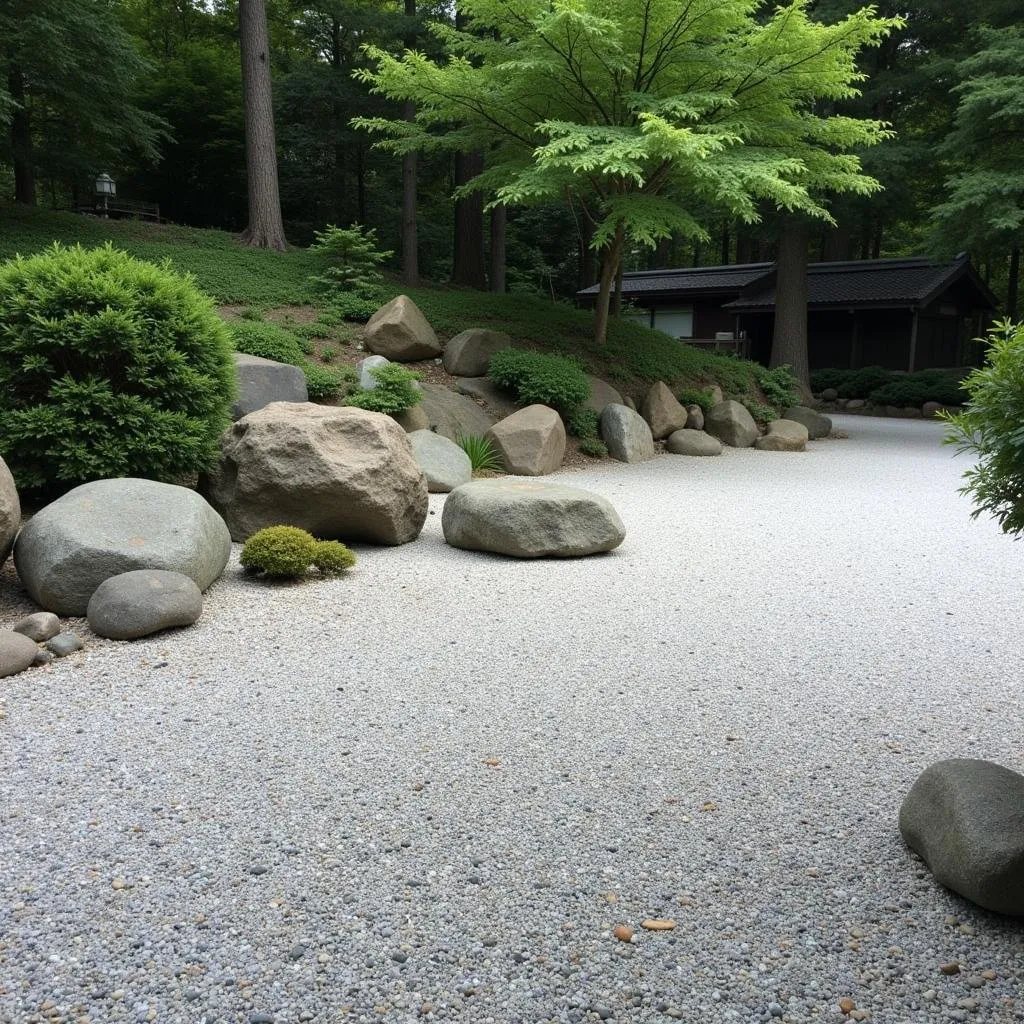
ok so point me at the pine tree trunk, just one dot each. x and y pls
(21, 141)
(499, 218)
(265, 230)
(610, 259)
(1013, 284)
(617, 296)
(410, 235)
(469, 265)
(789, 341)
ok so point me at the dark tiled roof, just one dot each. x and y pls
(695, 279)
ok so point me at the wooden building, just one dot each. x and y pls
(903, 314)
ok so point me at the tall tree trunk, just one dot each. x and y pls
(663, 253)
(21, 141)
(1013, 283)
(725, 244)
(499, 217)
(617, 296)
(836, 244)
(469, 266)
(339, 122)
(410, 236)
(789, 340)
(746, 249)
(265, 229)
(587, 268)
(611, 257)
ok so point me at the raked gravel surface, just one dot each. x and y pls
(430, 791)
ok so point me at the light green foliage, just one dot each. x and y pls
(696, 396)
(482, 456)
(539, 378)
(991, 429)
(108, 367)
(594, 447)
(328, 353)
(333, 558)
(350, 257)
(287, 552)
(395, 392)
(323, 382)
(761, 412)
(271, 341)
(779, 386)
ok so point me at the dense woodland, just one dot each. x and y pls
(152, 92)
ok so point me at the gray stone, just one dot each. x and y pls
(732, 424)
(39, 626)
(716, 394)
(530, 442)
(601, 394)
(64, 644)
(829, 395)
(855, 404)
(367, 381)
(469, 354)
(692, 442)
(400, 332)
(43, 657)
(17, 652)
(10, 511)
(628, 403)
(783, 436)
(413, 418)
(339, 472)
(498, 403)
(694, 417)
(453, 415)
(262, 381)
(142, 602)
(662, 411)
(107, 527)
(445, 465)
(817, 425)
(931, 409)
(530, 519)
(965, 818)
(626, 434)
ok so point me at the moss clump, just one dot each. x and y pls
(286, 552)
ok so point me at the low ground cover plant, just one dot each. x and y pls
(272, 341)
(395, 392)
(287, 552)
(540, 378)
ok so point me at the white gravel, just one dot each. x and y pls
(412, 793)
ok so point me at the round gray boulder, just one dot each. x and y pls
(469, 354)
(38, 626)
(626, 434)
(17, 652)
(817, 425)
(965, 818)
(142, 602)
(108, 527)
(444, 463)
(732, 424)
(530, 519)
(692, 442)
(10, 511)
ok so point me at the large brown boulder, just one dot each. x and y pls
(531, 442)
(399, 331)
(732, 424)
(340, 473)
(469, 354)
(10, 511)
(662, 411)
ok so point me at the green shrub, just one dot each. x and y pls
(779, 386)
(539, 378)
(323, 382)
(395, 392)
(582, 422)
(917, 388)
(349, 306)
(482, 455)
(860, 383)
(332, 558)
(268, 341)
(282, 551)
(109, 367)
(350, 259)
(762, 413)
(329, 353)
(991, 428)
(822, 380)
(593, 447)
(694, 396)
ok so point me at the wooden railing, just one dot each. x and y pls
(116, 207)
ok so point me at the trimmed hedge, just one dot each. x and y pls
(887, 387)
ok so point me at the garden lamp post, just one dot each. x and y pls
(107, 188)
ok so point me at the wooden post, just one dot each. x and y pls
(913, 343)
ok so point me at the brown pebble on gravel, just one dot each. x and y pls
(860, 1015)
(657, 925)
(847, 1005)
(989, 975)
(950, 968)
(623, 933)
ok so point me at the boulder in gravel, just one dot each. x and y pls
(10, 511)
(444, 463)
(39, 626)
(413, 418)
(829, 395)
(732, 424)
(400, 332)
(469, 354)
(931, 409)
(694, 417)
(531, 442)
(340, 473)
(64, 644)
(965, 818)
(262, 381)
(662, 411)
(626, 434)
(530, 519)
(17, 652)
(692, 442)
(107, 527)
(142, 602)
(601, 394)
(367, 381)
(817, 425)
(453, 415)
(783, 436)
(855, 404)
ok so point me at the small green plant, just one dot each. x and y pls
(287, 552)
(697, 396)
(582, 423)
(333, 558)
(328, 353)
(762, 413)
(395, 392)
(594, 447)
(536, 377)
(248, 313)
(348, 306)
(350, 258)
(991, 428)
(269, 341)
(779, 386)
(482, 456)
(323, 382)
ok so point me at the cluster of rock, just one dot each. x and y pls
(830, 401)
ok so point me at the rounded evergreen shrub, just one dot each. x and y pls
(395, 392)
(539, 378)
(282, 551)
(333, 558)
(109, 366)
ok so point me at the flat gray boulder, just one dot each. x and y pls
(38, 626)
(469, 354)
(601, 394)
(367, 381)
(530, 442)
(662, 411)
(965, 818)
(817, 425)
(17, 652)
(400, 332)
(142, 602)
(10, 511)
(783, 436)
(444, 463)
(732, 424)
(341, 473)
(498, 403)
(530, 519)
(107, 527)
(692, 442)
(626, 434)
(453, 415)
(262, 381)
(413, 418)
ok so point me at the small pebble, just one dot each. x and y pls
(64, 644)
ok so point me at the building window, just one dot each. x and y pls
(676, 321)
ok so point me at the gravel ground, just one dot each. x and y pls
(431, 790)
